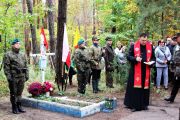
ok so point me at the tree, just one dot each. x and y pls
(94, 18)
(51, 26)
(62, 9)
(33, 28)
(85, 18)
(26, 33)
(157, 17)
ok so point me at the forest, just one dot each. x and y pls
(47, 28)
(123, 20)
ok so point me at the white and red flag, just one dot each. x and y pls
(66, 56)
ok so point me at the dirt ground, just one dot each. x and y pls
(35, 114)
(120, 113)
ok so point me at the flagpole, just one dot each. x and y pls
(62, 75)
(66, 58)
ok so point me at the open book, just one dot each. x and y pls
(149, 63)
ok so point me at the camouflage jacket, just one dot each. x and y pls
(95, 56)
(15, 66)
(81, 59)
(176, 60)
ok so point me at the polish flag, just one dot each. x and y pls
(66, 57)
(43, 38)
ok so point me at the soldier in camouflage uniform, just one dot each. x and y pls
(81, 60)
(176, 64)
(95, 54)
(16, 71)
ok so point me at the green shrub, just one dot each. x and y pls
(120, 73)
(3, 84)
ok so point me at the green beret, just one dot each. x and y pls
(81, 41)
(15, 41)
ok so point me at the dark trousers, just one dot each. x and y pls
(175, 88)
(16, 88)
(171, 76)
(109, 79)
(96, 73)
(82, 81)
(88, 76)
(71, 73)
(70, 79)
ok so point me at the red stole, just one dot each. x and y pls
(137, 69)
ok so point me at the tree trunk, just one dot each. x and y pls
(114, 12)
(85, 18)
(62, 8)
(45, 21)
(175, 19)
(51, 26)
(79, 24)
(26, 33)
(33, 28)
(162, 23)
(94, 17)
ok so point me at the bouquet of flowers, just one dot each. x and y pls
(35, 88)
(48, 87)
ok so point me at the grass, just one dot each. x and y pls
(35, 75)
(90, 96)
(3, 85)
(53, 99)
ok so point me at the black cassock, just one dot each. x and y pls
(137, 98)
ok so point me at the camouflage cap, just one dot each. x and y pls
(108, 39)
(95, 38)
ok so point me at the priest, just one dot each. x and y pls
(138, 85)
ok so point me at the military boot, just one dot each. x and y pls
(14, 105)
(14, 109)
(19, 107)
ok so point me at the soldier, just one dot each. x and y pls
(176, 64)
(16, 71)
(95, 54)
(82, 64)
(109, 57)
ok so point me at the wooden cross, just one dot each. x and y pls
(43, 59)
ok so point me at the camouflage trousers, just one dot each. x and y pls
(16, 88)
(82, 81)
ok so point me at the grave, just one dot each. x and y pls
(72, 107)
